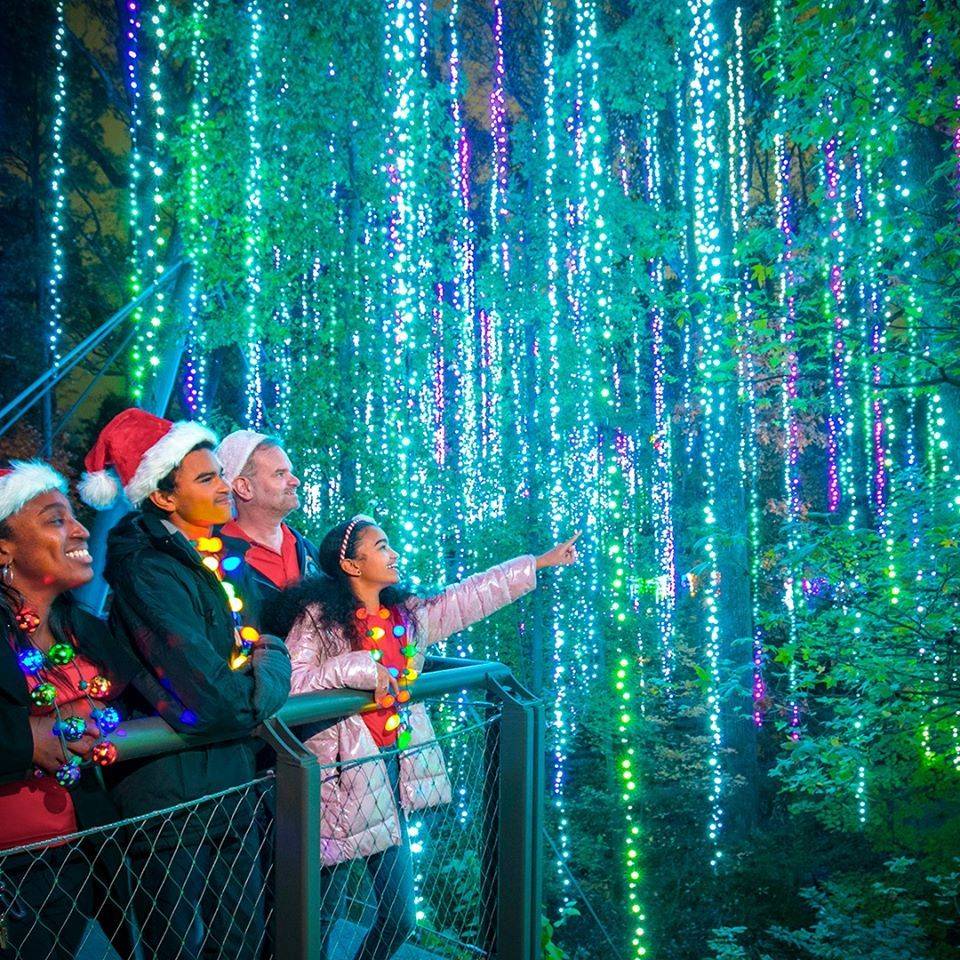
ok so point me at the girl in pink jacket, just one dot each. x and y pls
(356, 627)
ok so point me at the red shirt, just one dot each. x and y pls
(39, 808)
(390, 644)
(282, 568)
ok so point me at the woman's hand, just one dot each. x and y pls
(562, 555)
(48, 752)
(387, 685)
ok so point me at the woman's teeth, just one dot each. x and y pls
(82, 554)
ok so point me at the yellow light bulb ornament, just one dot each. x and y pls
(245, 636)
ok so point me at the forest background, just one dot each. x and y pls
(685, 276)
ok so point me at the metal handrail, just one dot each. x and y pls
(33, 394)
(152, 735)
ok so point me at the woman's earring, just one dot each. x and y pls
(7, 573)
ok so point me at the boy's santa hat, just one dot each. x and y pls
(22, 481)
(135, 451)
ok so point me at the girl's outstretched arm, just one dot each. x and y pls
(462, 604)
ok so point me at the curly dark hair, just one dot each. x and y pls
(329, 593)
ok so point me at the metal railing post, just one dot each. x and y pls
(297, 893)
(489, 833)
(519, 824)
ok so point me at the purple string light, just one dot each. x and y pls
(498, 130)
(131, 47)
(439, 397)
(956, 150)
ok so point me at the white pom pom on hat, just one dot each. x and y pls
(135, 451)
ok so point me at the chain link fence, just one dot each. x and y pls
(197, 880)
(184, 882)
(448, 911)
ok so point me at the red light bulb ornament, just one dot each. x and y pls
(104, 753)
(399, 720)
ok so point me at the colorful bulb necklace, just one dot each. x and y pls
(35, 663)
(399, 720)
(245, 636)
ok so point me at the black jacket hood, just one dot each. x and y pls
(138, 531)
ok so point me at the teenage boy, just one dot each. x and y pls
(198, 881)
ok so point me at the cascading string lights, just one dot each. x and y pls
(662, 484)
(406, 386)
(150, 255)
(131, 62)
(704, 92)
(54, 301)
(623, 496)
(548, 375)
(620, 494)
(600, 374)
(463, 242)
(688, 378)
(494, 333)
(195, 359)
(786, 302)
(280, 256)
(739, 187)
(253, 204)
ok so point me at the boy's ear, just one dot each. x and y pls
(167, 502)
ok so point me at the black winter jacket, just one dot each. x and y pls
(172, 615)
(253, 586)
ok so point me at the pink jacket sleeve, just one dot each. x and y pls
(464, 603)
(354, 668)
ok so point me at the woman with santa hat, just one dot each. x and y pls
(202, 669)
(58, 674)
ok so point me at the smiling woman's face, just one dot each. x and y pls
(374, 558)
(47, 545)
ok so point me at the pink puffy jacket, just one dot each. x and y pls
(358, 813)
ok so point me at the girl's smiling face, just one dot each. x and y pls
(374, 560)
(47, 546)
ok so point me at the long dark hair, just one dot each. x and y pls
(334, 603)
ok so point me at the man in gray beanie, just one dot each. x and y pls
(265, 492)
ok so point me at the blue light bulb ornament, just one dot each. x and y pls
(229, 564)
(69, 773)
(71, 729)
(31, 660)
(107, 719)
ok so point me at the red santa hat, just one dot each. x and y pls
(22, 481)
(135, 451)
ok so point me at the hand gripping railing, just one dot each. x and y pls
(491, 733)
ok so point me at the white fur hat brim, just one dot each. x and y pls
(27, 479)
(165, 455)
